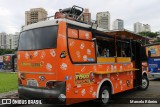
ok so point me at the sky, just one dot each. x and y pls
(12, 12)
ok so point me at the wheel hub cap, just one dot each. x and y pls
(105, 96)
(144, 83)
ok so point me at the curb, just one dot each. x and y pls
(5, 94)
(7, 71)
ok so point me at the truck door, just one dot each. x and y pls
(136, 57)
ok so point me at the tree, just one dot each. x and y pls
(6, 51)
(157, 41)
(2, 52)
(149, 34)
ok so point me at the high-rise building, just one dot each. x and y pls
(3, 37)
(138, 27)
(158, 32)
(146, 28)
(35, 15)
(118, 24)
(9, 41)
(87, 16)
(103, 20)
(12, 41)
(15, 40)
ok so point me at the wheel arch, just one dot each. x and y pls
(144, 74)
(107, 82)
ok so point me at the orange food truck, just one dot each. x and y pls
(67, 59)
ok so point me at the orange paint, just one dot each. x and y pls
(81, 81)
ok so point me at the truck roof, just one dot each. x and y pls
(9, 54)
(152, 44)
(122, 34)
(53, 22)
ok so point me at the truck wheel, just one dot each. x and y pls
(145, 83)
(104, 94)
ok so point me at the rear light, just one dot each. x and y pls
(52, 84)
(19, 82)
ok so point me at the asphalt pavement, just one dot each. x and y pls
(122, 99)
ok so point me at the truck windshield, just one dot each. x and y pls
(39, 38)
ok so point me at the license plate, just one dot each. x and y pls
(32, 83)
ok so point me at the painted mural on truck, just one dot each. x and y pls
(154, 50)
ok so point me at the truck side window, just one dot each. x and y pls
(81, 47)
(106, 47)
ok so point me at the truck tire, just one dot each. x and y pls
(145, 83)
(104, 95)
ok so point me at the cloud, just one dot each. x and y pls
(12, 12)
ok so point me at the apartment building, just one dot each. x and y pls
(103, 20)
(9, 41)
(3, 37)
(87, 16)
(138, 27)
(35, 15)
(146, 28)
(118, 24)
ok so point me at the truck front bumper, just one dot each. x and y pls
(154, 75)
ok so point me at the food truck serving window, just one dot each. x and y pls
(40, 38)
